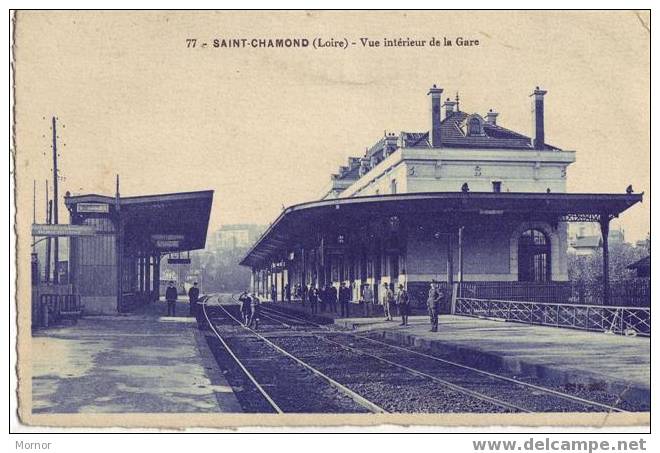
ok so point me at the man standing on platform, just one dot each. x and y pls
(313, 296)
(403, 301)
(332, 298)
(193, 297)
(344, 299)
(387, 299)
(170, 297)
(434, 301)
(367, 298)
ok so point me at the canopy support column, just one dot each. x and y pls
(605, 232)
(450, 266)
(156, 277)
(460, 267)
(147, 278)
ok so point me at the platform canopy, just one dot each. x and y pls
(298, 221)
(167, 222)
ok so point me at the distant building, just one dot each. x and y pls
(584, 238)
(229, 237)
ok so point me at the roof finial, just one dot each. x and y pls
(458, 107)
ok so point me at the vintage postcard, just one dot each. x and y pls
(331, 218)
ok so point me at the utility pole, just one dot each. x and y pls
(55, 203)
(49, 206)
(119, 248)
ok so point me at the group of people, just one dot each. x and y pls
(171, 295)
(393, 302)
(328, 297)
(249, 309)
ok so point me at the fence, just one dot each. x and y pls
(53, 307)
(632, 293)
(615, 319)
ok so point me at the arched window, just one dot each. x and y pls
(474, 126)
(393, 187)
(533, 257)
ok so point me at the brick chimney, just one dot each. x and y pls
(537, 108)
(435, 135)
(449, 107)
(491, 117)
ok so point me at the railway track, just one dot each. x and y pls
(267, 378)
(525, 396)
(293, 364)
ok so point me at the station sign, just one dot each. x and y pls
(178, 261)
(167, 244)
(167, 237)
(491, 211)
(62, 230)
(93, 207)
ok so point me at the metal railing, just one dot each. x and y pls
(619, 320)
(53, 307)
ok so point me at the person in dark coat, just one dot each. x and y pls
(273, 293)
(344, 299)
(434, 301)
(253, 321)
(332, 298)
(193, 297)
(170, 297)
(313, 297)
(367, 299)
(246, 307)
(403, 302)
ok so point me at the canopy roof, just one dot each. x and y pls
(298, 220)
(180, 218)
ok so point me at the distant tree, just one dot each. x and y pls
(589, 268)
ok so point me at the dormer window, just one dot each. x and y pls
(474, 126)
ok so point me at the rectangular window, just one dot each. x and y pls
(497, 186)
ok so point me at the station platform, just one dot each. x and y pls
(139, 362)
(567, 356)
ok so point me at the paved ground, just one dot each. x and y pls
(141, 362)
(571, 356)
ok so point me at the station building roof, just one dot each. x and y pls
(297, 220)
(183, 215)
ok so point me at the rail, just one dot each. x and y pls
(629, 321)
(407, 350)
(339, 387)
(247, 373)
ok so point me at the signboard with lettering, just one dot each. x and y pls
(167, 244)
(93, 207)
(178, 261)
(167, 237)
(62, 230)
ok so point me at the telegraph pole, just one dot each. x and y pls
(48, 211)
(55, 203)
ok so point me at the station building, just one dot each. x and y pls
(468, 202)
(118, 267)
